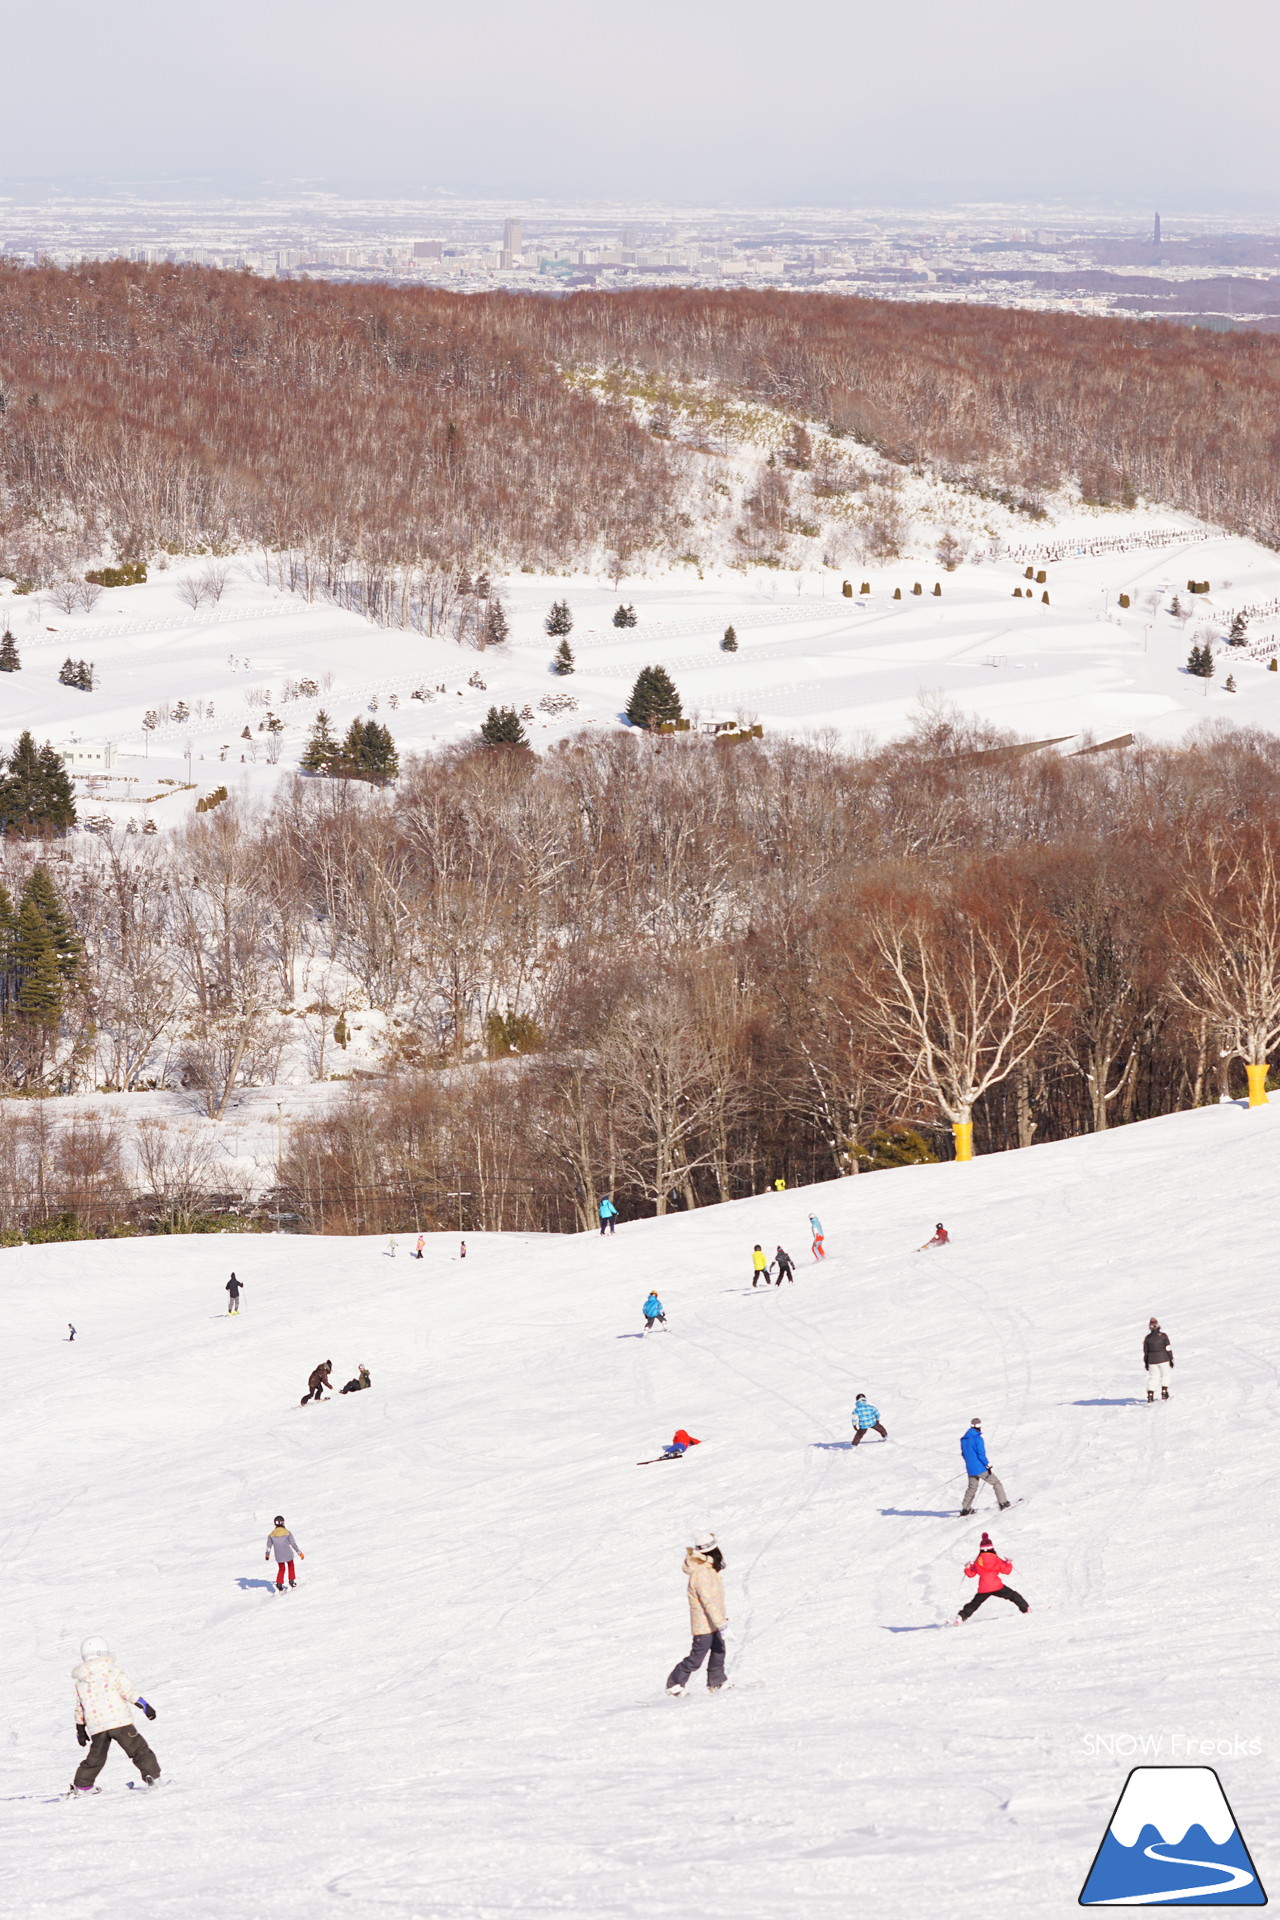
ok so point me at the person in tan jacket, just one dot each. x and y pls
(704, 1564)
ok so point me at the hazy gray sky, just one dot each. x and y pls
(836, 101)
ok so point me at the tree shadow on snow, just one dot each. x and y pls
(918, 1513)
(1131, 1401)
(245, 1585)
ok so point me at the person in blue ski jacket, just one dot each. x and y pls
(866, 1419)
(653, 1312)
(608, 1214)
(974, 1449)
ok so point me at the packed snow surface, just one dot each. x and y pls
(461, 1711)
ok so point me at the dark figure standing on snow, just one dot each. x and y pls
(286, 1549)
(786, 1267)
(317, 1382)
(1157, 1358)
(704, 1564)
(973, 1447)
(234, 1288)
(71, 1333)
(608, 1216)
(104, 1712)
(653, 1313)
(866, 1419)
(986, 1569)
(361, 1381)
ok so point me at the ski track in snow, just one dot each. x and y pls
(460, 1712)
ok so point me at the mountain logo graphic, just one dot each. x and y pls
(1172, 1842)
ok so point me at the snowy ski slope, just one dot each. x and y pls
(461, 1710)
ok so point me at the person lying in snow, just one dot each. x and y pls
(359, 1384)
(680, 1444)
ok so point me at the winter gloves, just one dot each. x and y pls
(82, 1733)
(147, 1708)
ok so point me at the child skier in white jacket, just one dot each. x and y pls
(104, 1712)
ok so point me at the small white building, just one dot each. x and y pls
(89, 756)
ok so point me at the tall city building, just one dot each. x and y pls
(512, 236)
(1155, 233)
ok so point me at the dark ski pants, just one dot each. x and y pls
(606, 1226)
(312, 1393)
(130, 1741)
(280, 1567)
(877, 1428)
(703, 1644)
(966, 1505)
(785, 1273)
(1001, 1593)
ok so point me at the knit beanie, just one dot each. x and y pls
(985, 1545)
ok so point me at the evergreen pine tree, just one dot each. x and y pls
(1236, 632)
(58, 794)
(368, 753)
(496, 628)
(9, 661)
(563, 662)
(41, 893)
(1200, 662)
(8, 927)
(321, 751)
(654, 701)
(67, 676)
(625, 617)
(502, 728)
(559, 620)
(39, 978)
(730, 642)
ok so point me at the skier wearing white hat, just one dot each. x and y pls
(704, 1564)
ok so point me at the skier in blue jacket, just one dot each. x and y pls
(974, 1449)
(866, 1419)
(653, 1312)
(608, 1214)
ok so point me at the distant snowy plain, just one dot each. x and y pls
(461, 1712)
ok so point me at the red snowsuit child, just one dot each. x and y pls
(986, 1570)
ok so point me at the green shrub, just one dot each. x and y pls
(129, 573)
(893, 1147)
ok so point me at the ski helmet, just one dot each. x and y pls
(94, 1649)
(278, 1521)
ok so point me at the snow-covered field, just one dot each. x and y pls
(808, 658)
(461, 1710)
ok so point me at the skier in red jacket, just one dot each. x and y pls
(941, 1238)
(986, 1569)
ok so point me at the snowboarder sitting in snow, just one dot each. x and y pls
(941, 1238)
(680, 1444)
(704, 1564)
(759, 1266)
(973, 1447)
(1157, 1354)
(317, 1382)
(786, 1267)
(359, 1384)
(866, 1419)
(986, 1570)
(653, 1312)
(104, 1712)
(286, 1549)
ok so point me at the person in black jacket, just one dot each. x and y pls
(234, 1288)
(785, 1267)
(1157, 1356)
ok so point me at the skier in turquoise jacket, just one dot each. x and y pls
(608, 1214)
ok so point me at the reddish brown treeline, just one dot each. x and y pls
(380, 426)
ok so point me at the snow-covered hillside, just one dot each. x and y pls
(461, 1709)
(1079, 668)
